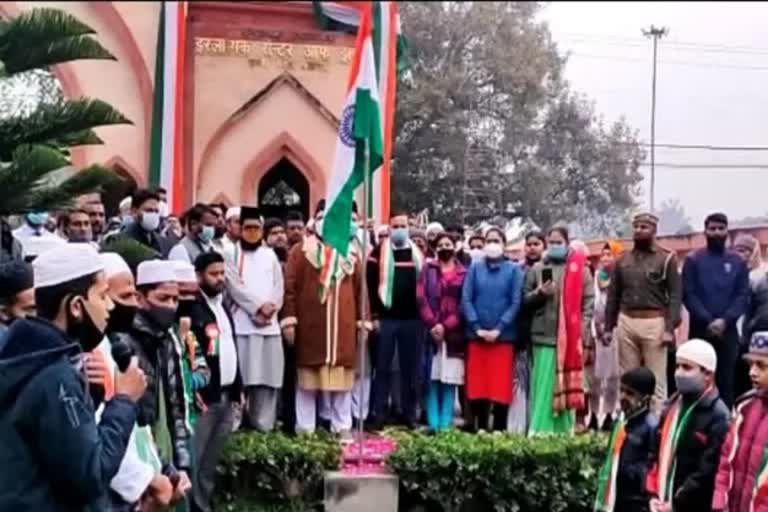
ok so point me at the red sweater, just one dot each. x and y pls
(735, 480)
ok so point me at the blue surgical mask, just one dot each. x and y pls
(207, 234)
(126, 221)
(37, 219)
(557, 252)
(399, 236)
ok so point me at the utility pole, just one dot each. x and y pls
(655, 33)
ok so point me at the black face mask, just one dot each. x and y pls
(121, 318)
(162, 317)
(445, 255)
(219, 232)
(83, 330)
(716, 243)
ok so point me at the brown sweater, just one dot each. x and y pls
(316, 344)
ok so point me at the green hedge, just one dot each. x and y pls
(449, 472)
(456, 471)
(274, 472)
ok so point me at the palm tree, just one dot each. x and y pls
(35, 142)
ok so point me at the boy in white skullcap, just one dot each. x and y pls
(164, 406)
(692, 430)
(63, 457)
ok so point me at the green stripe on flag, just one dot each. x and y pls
(156, 141)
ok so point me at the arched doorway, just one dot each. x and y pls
(283, 188)
(116, 192)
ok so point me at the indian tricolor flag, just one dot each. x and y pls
(166, 159)
(360, 135)
(389, 47)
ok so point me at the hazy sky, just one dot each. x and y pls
(712, 89)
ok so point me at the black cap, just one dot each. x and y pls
(640, 380)
(15, 277)
(249, 212)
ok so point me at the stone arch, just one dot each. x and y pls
(285, 146)
(222, 198)
(272, 123)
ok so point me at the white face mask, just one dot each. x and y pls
(476, 254)
(493, 250)
(150, 221)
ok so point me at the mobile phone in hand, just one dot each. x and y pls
(546, 275)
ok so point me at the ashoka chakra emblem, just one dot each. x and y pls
(347, 122)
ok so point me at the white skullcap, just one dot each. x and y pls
(37, 245)
(434, 227)
(185, 272)
(698, 352)
(114, 264)
(66, 263)
(232, 213)
(127, 202)
(155, 272)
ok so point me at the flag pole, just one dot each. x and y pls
(363, 300)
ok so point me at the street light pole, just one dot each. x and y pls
(656, 34)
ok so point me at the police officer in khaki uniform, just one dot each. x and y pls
(643, 304)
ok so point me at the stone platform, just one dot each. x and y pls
(363, 485)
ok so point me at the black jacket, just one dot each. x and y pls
(405, 306)
(154, 240)
(159, 359)
(53, 455)
(698, 453)
(635, 461)
(202, 318)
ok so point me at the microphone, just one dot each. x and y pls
(122, 354)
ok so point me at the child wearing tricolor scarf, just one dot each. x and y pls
(741, 484)
(621, 485)
(692, 430)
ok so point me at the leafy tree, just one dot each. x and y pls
(672, 219)
(487, 125)
(34, 143)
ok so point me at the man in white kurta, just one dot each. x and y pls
(255, 283)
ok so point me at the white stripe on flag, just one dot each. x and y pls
(378, 177)
(169, 98)
(341, 13)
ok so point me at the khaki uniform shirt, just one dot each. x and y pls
(645, 280)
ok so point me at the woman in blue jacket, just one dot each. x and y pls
(490, 303)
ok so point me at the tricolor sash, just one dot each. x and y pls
(675, 425)
(387, 269)
(606, 485)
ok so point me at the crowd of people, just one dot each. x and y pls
(132, 348)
